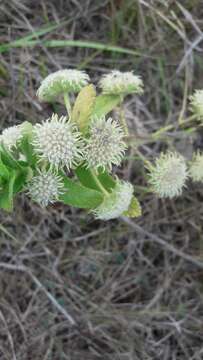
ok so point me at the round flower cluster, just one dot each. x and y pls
(11, 136)
(121, 83)
(62, 81)
(105, 145)
(45, 187)
(58, 141)
(168, 175)
(196, 103)
(196, 167)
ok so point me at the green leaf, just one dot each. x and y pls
(83, 107)
(8, 159)
(25, 145)
(107, 180)
(6, 194)
(4, 171)
(27, 150)
(104, 104)
(12, 185)
(20, 180)
(134, 209)
(86, 178)
(80, 196)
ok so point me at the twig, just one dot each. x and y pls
(163, 243)
(9, 335)
(41, 287)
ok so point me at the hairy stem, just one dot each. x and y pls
(144, 159)
(123, 120)
(67, 104)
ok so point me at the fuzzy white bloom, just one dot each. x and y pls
(58, 141)
(169, 175)
(105, 146)
(11, 136)
(45, 187)
(60, 82)
(196, 167)
(121, 83)
(196, 103)
(116, 202)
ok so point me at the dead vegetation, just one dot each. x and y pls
(75, 288)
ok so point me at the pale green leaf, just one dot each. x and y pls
(104, 104)
(83, 107)
(134, 209)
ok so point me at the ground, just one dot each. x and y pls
(72, 287)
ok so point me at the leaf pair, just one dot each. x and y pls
(85, 194)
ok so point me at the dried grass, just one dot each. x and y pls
(75, 288)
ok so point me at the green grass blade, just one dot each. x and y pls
(28, 42)
(89, 45)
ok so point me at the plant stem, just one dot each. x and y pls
(100, 186)
(185, 96)
(67, 104)
(122, 119)
(144, 159)
(159, 132)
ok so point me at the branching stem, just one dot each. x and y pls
(156, 134)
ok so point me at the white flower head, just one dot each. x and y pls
(168, 175)
(45, 187)
(60, 82)
(116, 202)
(196, 103)
(105, 146)
(58, 141)
(196, 167)
(11, 136)
(121, 83)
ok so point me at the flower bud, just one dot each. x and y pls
(117, 202)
